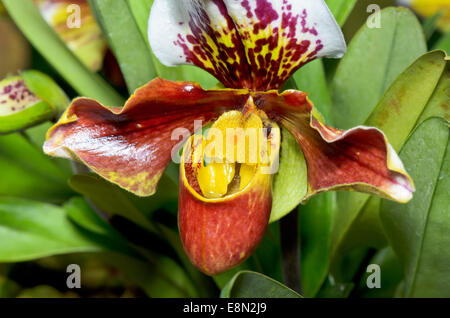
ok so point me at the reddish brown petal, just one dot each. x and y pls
(359, 158)
(218, 234)
(131, 146)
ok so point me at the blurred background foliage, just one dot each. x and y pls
(54, 213)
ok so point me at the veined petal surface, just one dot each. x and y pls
(131, 146)
(359, 159)
(220, 233)
(255, 44)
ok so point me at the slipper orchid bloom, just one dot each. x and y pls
(252, 47)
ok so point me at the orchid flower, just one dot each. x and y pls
(83, 37)
(430, 8)
(252, 47)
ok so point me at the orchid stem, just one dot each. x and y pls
(290, 250)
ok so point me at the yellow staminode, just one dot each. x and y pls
(235, 145)
(215, 178)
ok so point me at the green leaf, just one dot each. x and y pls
(290, 183)
(311, 79)
(443, 43)
(222, 280)
(341, 9)
(141, 11)
(204, 284)
(109, 198)
(246, 284)
(126, 41)
(365, 229)
(349, 264)
(158, 275)
(337, 290)
(356, 227)
(82, 214)
(418, 231)
(36, 136)
(430, 24)
(28, 173)
(316, 220)
(28, 18)
(391, 275)
(262, 260)
(411, 99)
(374, 59)
(34, 230)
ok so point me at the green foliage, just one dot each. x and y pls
(410, 100)
(109, 198)
(443, 43)
(46, 41)
(385, 80)
(118, 24)
(311, 79)
(430, 24)
(156, 274)
(26, 172)
(375, 57)
(391, 275)
(35, 230)
(357, 223)
(246, 284)
(141, 11)
(341, 9)
(316, 223)
(419, 229)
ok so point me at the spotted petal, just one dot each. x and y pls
(131, 146)
(358, 159)
(255, 44)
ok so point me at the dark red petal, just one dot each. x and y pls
(218, 234)
(131, 146)
(359, 158)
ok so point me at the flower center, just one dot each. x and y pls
(235, 147)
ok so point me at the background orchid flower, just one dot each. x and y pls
(429, 8)
(252, 47)
(83, 37)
